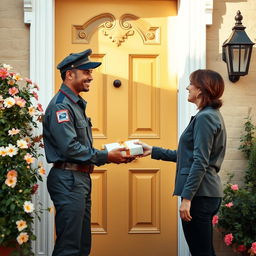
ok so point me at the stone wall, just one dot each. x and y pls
(14, 43)
(239, 97)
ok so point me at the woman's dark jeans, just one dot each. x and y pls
(199, 232)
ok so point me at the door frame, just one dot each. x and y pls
(40, 16)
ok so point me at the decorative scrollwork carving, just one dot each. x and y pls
(128, 24)
(82, 35)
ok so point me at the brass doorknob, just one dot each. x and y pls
(117, 83)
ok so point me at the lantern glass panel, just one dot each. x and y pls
(244, 58)
(235, 57)
(226, 49)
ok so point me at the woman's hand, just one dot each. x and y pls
(147, 149)
(185, 210)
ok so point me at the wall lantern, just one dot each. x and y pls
(237, 50)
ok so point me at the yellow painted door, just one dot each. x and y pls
(133, 211)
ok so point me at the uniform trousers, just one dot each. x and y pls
(199, 231)
(70, 192)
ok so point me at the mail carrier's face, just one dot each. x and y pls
(81, 80)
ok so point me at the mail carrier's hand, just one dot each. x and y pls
(116, 156)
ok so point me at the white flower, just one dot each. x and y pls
(13, 131)
(9, 102)
(21, 224)
(23, 237)
(8, 67)
(28, 207)
(17, 77)
(11, 182)
(42, 171)
(31, 111)
(11, 150)
(29, 159)
(3, 151)
(22, 144)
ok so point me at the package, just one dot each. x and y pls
(133, 149)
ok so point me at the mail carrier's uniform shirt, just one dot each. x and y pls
(67, 131)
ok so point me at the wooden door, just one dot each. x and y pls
(133, 211)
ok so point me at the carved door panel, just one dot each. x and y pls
(133, 212)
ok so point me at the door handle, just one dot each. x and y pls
(117, 83)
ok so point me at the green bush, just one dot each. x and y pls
(236, 218)
(19, 151)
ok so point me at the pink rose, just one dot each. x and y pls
(234, 187)
(229, 205)
(228, 239)
(253, 248)
(29, 81)
(20, 102)
(13, 91)
(215, 219)
(4, 73)
(241, 248)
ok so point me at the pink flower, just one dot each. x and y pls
(234, 187)
(228, 239)
(39, 107)
(253, 248)
(12, 174)
(229, 205)
(20, 102)
(29, 81)
(3, 73)
(36, 86)
(13, 91)
(241, 248)
(215, 219)
(35, 95)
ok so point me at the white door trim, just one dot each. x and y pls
(40, 15)
(193, 16)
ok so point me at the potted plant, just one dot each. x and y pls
(20, 169)
(236, 218)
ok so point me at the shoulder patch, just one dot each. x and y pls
(62, 116)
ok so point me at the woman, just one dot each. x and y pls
(199, 156)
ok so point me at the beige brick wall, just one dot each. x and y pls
(239, 97)
(14, 43)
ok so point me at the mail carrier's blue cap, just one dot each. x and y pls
(78, 61)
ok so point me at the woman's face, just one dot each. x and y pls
(193, 94)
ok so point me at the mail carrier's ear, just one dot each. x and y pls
(69, 75)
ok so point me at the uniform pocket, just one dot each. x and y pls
(66, 179)
(81, 131)
(82, 183)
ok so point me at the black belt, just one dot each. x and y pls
(74, 167)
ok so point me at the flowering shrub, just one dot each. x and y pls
(19, 150)
(236, 218)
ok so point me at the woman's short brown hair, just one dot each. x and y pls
(211, 85)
